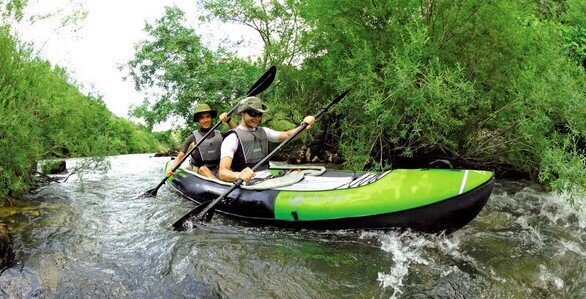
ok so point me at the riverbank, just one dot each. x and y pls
(6, 252)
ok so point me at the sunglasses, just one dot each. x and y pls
(253, 113)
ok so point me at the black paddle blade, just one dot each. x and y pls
(153, 192)
(340, 97)
(263, 82)
(332, 103)
(180, 226)
(209, 215)
(150, 193)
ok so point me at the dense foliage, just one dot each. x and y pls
(486, 84)
(43, 115)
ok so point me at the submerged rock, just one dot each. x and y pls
(169, 153)
(302, 154)
(54, 167)
(6, 253)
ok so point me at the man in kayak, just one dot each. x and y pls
(204, 160)
(249, 143)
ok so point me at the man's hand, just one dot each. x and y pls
(309, 120)
(246, 174)
(170, 173)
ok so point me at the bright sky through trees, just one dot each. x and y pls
(105, 39)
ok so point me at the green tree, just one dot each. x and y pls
(11, 9)
(488, 84)
(179, 71)
(573, 26)
(277, 23)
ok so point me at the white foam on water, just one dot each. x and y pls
(549, 279)
(536, 237)
(573, 247)
(406, 248)
(449, 271)
(557, 208)
(448, 244)
(188, 225)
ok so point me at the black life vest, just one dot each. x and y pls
(208, 152)
(253, 146)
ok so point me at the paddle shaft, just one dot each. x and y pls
(259, 86)
(196, 145)
(300, 129)
(211, 205)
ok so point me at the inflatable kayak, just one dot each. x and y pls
(428, 200)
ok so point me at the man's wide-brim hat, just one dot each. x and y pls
(203, 108)
(252, 103)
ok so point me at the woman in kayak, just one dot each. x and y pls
(249, 143)
(204, 160)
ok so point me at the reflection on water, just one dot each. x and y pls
(101, 240)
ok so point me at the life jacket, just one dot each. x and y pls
(208, 152)
(252, 147)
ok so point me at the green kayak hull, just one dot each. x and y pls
(428, 200)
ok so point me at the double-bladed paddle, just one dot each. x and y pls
(259, 86)
(204, 212)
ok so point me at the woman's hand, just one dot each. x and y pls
(224, 117)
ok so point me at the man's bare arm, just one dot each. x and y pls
(228, 175)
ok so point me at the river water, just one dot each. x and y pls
(95, 238)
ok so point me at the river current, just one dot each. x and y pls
(94, 238)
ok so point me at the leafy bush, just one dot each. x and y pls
(491, 85)
(44, 116)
